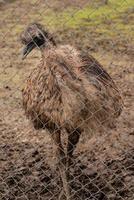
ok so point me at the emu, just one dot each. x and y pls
(68, 90)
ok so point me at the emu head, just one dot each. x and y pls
(35, 36)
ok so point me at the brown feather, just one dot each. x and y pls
(69, 89)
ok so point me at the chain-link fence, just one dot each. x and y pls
(81, 97)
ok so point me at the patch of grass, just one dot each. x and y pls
(106, 15)
(94, 22)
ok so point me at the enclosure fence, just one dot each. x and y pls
(102, 166)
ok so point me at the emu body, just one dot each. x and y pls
(70, 90)
(67, 90)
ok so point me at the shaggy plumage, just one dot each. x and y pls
(67, 90)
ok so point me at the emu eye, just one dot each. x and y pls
(39, 40)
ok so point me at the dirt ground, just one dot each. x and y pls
(103, 166)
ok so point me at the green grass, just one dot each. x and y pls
(112, 22)
(107, 18)
(102, 23)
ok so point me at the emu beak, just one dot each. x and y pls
(27, 49)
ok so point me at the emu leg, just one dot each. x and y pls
(73, 139)
(62, 163)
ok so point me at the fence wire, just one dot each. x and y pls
(35, 163)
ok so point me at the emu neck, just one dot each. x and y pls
(46, 50)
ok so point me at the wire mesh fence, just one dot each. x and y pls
(68, 95)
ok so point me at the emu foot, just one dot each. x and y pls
(61, 195)
(70, 161)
